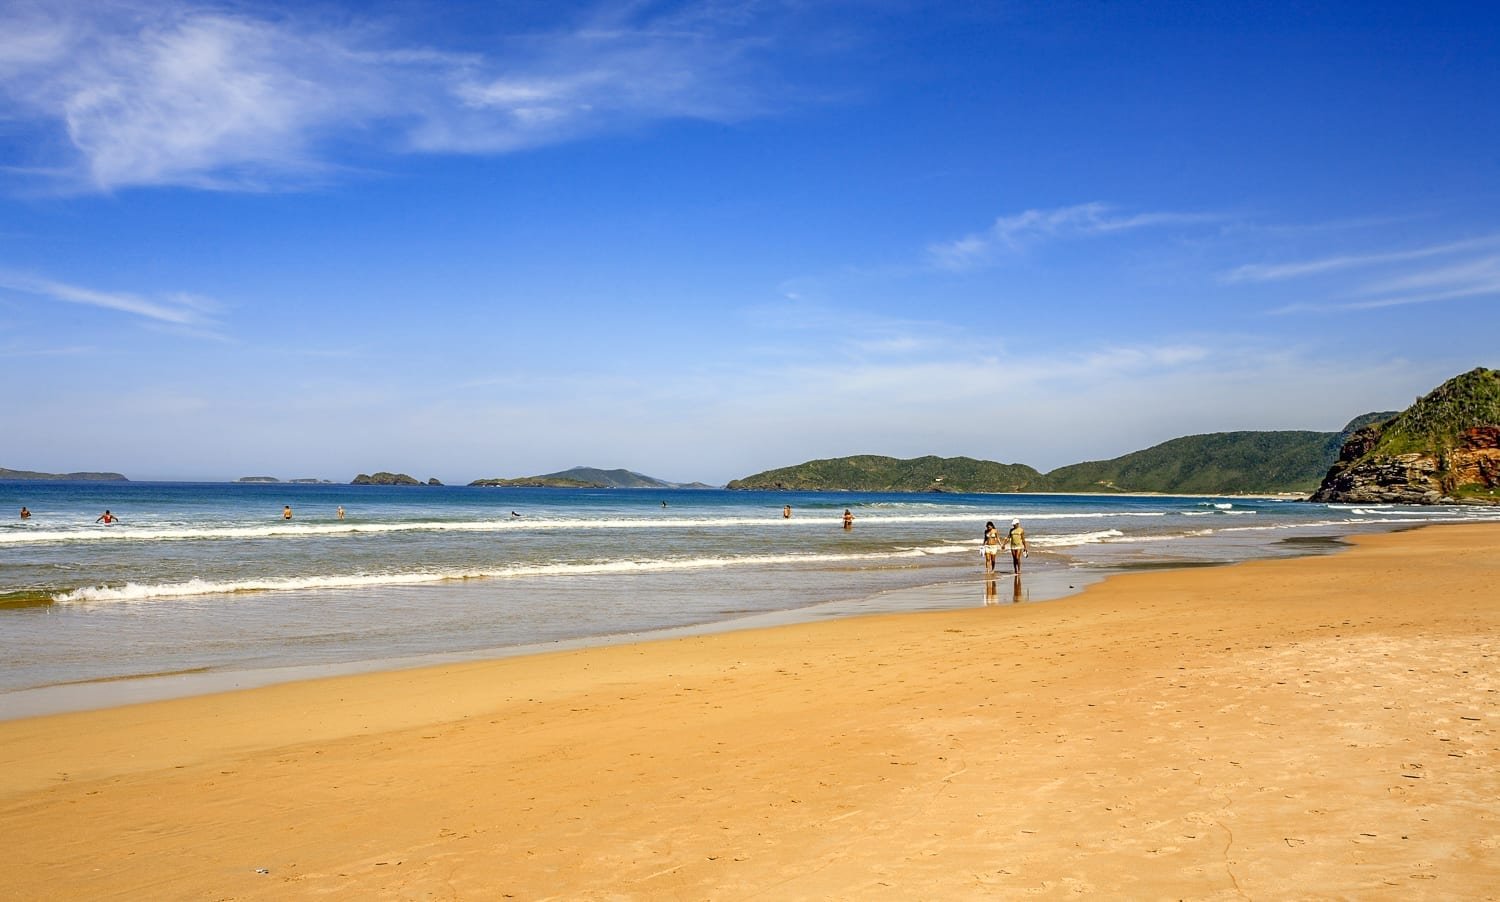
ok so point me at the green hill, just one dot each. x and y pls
(873, 473)
(1216, 463)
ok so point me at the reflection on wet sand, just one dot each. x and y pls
(992, 590)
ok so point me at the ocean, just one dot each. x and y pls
(200, 587)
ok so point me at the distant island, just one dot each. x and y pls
(590, 478)
(272, 479)
(76, 477)
(384, 478)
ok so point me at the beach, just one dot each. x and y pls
(1322, 726)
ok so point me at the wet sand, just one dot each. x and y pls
(1317, 727)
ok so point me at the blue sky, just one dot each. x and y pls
(699, 240)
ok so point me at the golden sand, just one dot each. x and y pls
(1319, 727)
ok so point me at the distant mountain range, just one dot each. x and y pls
(1445, 447)
(1216, 463)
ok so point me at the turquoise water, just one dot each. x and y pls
(210, 578)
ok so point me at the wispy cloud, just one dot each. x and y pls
(1013, 233)
(225, 97)
(1275, 272)
(1388, 279)
(178, 310)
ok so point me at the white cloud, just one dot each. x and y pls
(1012, 233)
(222, 97)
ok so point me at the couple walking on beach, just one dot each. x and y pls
(1014, 540)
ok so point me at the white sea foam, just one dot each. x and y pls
(136, 592)
(199, 587)
(1065, 540)
(285, 530)
(1068, 541)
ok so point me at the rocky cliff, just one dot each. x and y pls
(1443, 449)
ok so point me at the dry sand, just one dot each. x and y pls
(1320, 727)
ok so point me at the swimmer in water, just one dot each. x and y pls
(106, 518)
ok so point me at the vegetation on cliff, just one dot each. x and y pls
(1438, 420)
(1445, 447)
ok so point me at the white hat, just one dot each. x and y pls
(1016, 522)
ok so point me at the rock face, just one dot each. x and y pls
(1476, 461)
(1444, 449)
(1402, 479)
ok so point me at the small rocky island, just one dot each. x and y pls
(1444, 449)
(384, 478)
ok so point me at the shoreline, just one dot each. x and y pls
(1311, 726)
(131, 689)
(943, 592)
